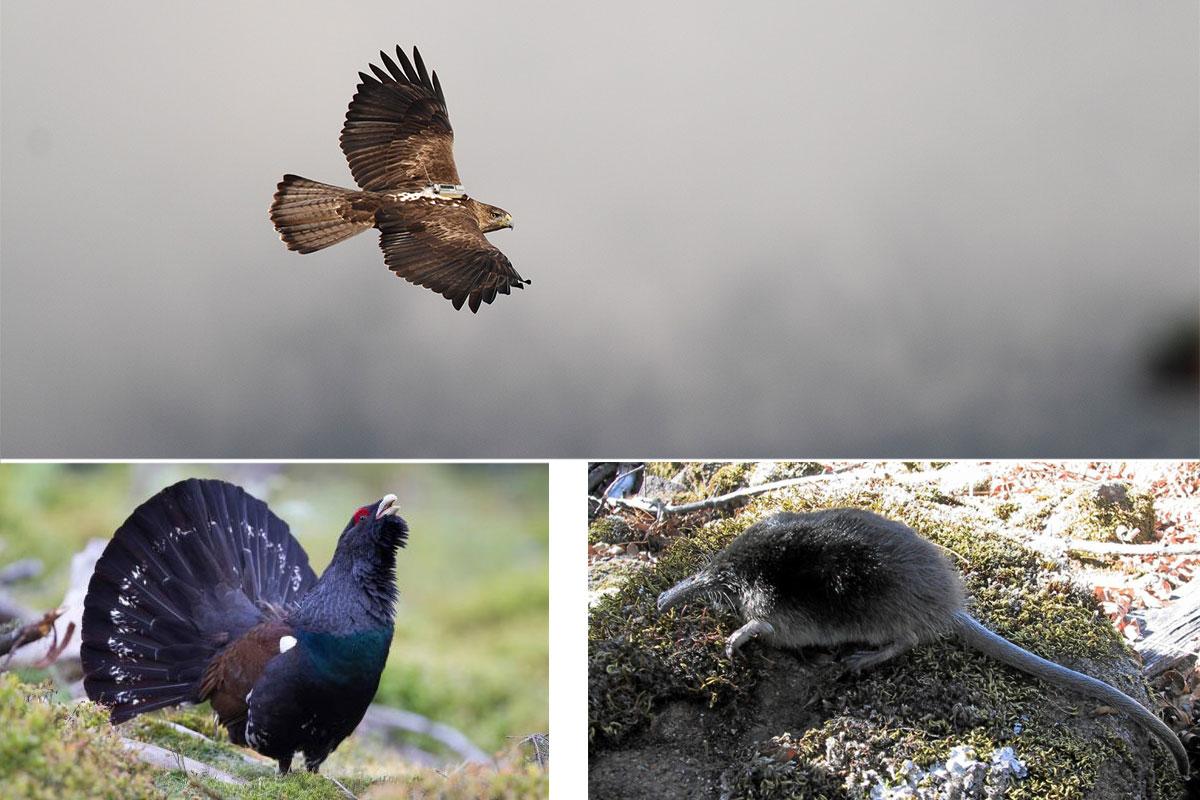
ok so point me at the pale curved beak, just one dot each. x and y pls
(388, 506)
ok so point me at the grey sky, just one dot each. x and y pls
(752, 229)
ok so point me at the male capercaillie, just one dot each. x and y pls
(203, 594)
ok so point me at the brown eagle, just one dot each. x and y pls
(399, 143)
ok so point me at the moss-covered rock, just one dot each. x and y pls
(771, 471)
(729, 478)
(1098, 514)
(611, 529)
(667, 470)
(666, 706)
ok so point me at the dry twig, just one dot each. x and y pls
(661, 509)
(26, 634)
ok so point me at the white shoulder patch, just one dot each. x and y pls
(286, 643)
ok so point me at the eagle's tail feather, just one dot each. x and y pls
(311, 216)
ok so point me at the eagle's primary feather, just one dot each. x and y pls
(399, 143)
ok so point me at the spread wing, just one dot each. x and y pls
(397, 130)
(443, 249)
(233, 672)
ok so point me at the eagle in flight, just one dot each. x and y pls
(399, 143)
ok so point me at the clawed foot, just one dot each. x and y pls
(750, 630)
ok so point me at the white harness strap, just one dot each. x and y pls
(434, 191)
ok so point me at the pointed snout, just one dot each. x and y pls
(678, 593)
(388, 506)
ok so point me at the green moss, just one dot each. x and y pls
(712, 479)
(921, 466)
(55, 750)
(611, 529)
(215, 750)
(666, 470)
(51, 750)
(637, 657)
(1004, 511)
(797, 469)
(1100, 512)
(729, 478)
(934, 494)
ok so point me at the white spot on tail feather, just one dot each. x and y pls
(120, 675)
(119, 647)
(286, 643)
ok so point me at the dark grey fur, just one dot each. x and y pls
(850, 576)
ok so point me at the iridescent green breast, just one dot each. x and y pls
(347, 658)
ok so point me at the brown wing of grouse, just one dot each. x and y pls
(192, 569)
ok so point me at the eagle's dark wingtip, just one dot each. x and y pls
(397, 75)
(409, 72)
(421, 71)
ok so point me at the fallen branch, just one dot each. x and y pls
(27, 634)
(661, 509)
(83, 564)
(1119, 548)
(380, 717)
(19, 571)
(604, 495)
(256, 759)
(162, 758)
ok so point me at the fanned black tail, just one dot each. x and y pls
(192, 569)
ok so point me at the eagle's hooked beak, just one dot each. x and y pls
(388, 506)
(508, 221)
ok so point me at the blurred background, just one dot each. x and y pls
(471, 644)
(959, 229)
